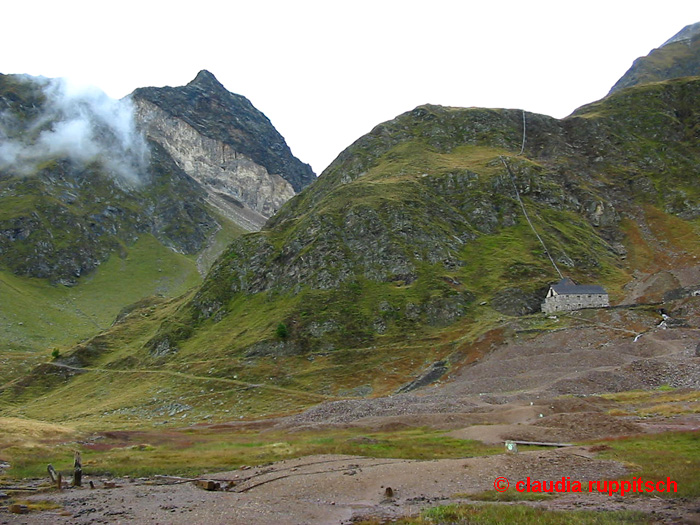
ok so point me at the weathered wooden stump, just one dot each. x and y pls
(52, 474)
(77, 470)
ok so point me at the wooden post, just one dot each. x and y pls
(78, 470)
(52, 473)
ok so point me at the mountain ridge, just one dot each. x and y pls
(678, 57)
(409, 258)
(247, 129)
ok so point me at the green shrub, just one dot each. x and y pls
(282, 332)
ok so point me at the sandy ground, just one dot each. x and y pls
(512, 393)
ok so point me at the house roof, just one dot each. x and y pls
(567, 286)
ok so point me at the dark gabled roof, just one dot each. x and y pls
(567, 286)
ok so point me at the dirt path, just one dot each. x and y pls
(235, 382)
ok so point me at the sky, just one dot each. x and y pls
(327, 72)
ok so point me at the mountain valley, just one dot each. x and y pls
(222, 308)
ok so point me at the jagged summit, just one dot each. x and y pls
(678, 57)
(206, 79)
(213, 111)
(207, 84)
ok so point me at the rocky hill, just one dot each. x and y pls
(677, 57)
(79, 179)
(61, 215)
(417, 223)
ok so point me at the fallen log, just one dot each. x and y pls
(17, 508)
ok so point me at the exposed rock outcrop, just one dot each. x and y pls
(226, 145)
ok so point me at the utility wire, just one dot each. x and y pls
(522, 205)
(522, 148)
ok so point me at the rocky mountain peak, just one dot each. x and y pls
(677, 57)
(226, 144)
(687, 35)
(206, 80)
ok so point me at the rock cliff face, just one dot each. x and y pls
(226, 145)
(677, 57)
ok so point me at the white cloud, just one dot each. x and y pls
(80, 123)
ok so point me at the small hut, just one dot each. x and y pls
(566, 296)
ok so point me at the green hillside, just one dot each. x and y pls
(37, 317)
(78, 240)
(409, 254)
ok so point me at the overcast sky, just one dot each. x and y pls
(326, 72)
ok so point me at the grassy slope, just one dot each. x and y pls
(37, 317)
(673, 60)
(213, 376)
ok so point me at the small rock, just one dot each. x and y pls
(16, 508)
(208, 484)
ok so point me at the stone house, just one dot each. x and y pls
(566, 296)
